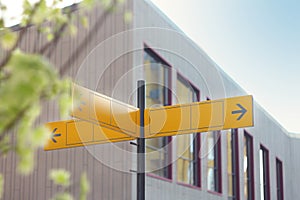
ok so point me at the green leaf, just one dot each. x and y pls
(63, 196)
(84, 186)
(1, 185)
(41, 13)
(84, 21)
(88, 3)
(65, 104)
(50, 36)
(128, 17)
(40, 136)
(8, 39)
(106, 4)
(5, 145)
(26, 161)
(27, 5)
(44, 29)
(57, 17)
(27, 9)
(120, 1)
(23, 22)
(60, 177)
(72, 29)
(1, 23)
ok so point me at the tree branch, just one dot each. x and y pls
(99, 22)
(13, 122)
(56, 38)
(20, 38)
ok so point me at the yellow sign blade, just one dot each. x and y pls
(199, 117)
(74, 133)
(106, 111)
(239, 112)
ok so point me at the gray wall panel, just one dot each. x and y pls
(103, 179)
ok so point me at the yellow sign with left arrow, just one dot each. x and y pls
(101, 119)
(74, 133)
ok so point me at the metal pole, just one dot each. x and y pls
(141, 143)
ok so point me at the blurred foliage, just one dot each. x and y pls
(1, 185)
(84, 186)
(60, 177)
(29, 79)
(63, 196)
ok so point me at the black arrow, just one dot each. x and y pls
(53, 135)
(241, 112)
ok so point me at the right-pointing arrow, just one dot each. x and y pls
(53, 135)
(242, 111)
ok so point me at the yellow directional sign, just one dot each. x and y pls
(205, 116)
(74, 133)
(106, 111)
(101, 119)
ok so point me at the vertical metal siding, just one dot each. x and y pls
(106, 183)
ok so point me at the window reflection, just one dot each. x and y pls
(157, 78)
(248, 182)
(264, 173)
(232, 163)
(188, 169)
(213, 161)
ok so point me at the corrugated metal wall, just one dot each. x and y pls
(98, 69)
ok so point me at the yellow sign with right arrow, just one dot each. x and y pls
(204, 116)
(101, 119)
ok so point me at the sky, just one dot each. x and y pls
(256, 42)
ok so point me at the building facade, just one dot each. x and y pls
(259, 162)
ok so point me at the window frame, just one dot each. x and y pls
(168, 95)
(250, 161)
(235, 172)
(266, 171)
(217, 163)
(196, 141)
(281, 197)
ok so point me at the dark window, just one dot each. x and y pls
(264, 174)
(233, 164)
(279, 180)
(188, 161)
(248, 167)
(214, 178)
(157, 76)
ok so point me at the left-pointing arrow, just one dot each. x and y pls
(53, 135)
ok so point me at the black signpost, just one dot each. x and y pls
(141, 143)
